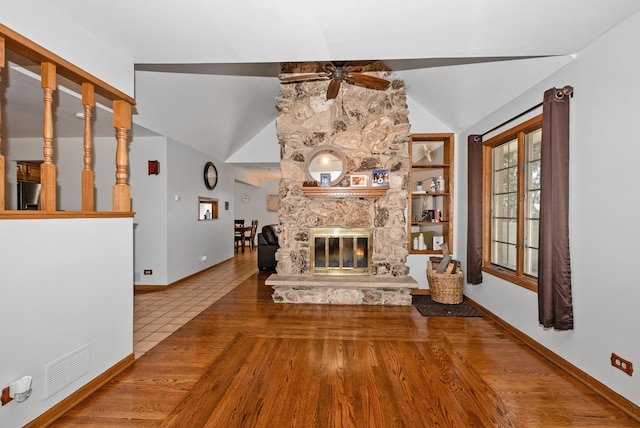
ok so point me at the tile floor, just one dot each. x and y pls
(158, 314)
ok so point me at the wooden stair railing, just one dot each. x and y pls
(87, 176)
(122, 123)
(51, 66)
(48, 168)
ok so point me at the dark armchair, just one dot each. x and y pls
(267, 247)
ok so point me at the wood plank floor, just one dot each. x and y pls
(248, 362)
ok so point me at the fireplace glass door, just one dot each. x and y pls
(340, 251)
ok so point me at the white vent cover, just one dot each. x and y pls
(66, 369)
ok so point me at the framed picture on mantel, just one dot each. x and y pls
(325, 179)
(358, 180)
(380, 178)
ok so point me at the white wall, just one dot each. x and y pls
(148, 201)
(75, 44)
(263, 148)
(604, 233)
(189, 240)
(64, 284)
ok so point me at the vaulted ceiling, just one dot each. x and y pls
(206, 72)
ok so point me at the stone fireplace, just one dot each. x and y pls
(371, 127)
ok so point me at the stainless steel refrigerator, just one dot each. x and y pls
(28, 196)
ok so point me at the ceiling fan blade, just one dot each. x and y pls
(332, 90)
(366, 80)
(357, 65)
(303, 77)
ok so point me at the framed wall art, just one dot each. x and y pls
(273, 203)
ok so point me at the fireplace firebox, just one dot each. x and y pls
(340, 251)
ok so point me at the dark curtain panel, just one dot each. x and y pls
(555, 305)
(474, 218)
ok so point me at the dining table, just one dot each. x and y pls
(240, 230)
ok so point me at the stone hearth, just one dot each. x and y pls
(342, 290)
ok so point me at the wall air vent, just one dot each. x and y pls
(67, 369)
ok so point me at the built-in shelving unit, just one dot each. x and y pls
(430, 208)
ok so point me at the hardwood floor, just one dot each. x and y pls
(248, 362)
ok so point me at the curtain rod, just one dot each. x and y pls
(567, 90)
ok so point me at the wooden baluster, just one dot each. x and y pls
(88, 101)
(122, 123)
(48, 168)
(2, 179)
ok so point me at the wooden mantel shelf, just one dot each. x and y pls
(344, 192)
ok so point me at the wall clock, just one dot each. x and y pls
(210, 175)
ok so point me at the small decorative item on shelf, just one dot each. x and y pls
(440, 184)
(419, 185)
(325, 179)
(434, 216)
(310, 183)
(434, 186)
(358, 180)
(380, 178)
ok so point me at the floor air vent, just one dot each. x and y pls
(65, 370)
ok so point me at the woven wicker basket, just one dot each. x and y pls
(445, 288)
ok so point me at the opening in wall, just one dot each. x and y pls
(207, 208)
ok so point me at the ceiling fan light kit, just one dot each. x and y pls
(340, 71)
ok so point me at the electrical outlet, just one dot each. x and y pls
(622, 364)
(148, 272)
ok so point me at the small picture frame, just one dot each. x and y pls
(429, 215)
(325, 179)
(437, 242)
(358, 180)
(380, 178)
(273, 203)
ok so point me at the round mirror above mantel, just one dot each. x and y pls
(328, 160)
(325, 164)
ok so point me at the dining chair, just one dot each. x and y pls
(251, 237)
(238, 236)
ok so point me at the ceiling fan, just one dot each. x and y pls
(337, 72)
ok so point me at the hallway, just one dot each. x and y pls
(160, 313)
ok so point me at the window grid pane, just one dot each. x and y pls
(532, 202)
(504, 203)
